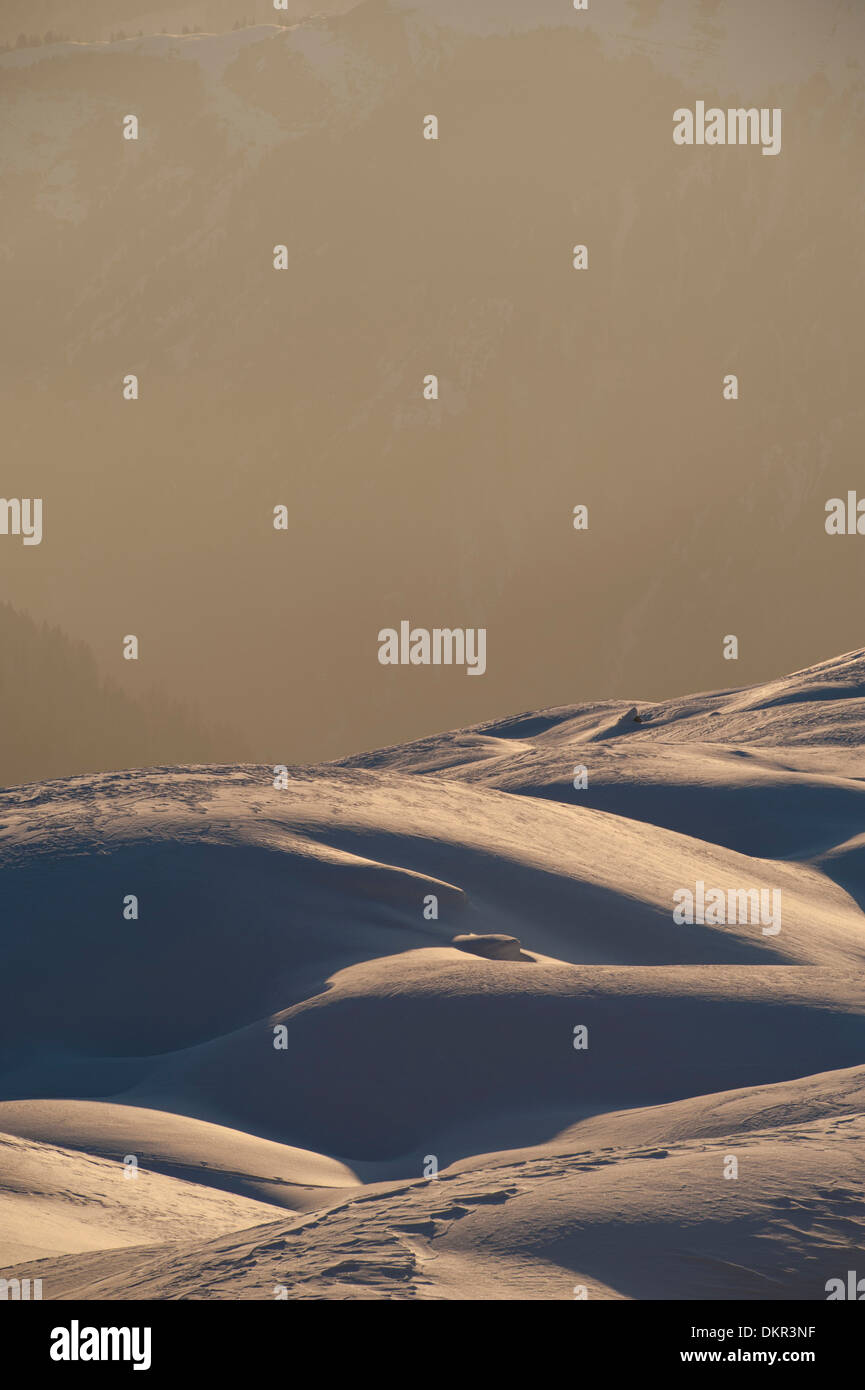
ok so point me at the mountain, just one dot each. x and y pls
(25, 23)
(248, 982)
(61, 716)
(407, 257)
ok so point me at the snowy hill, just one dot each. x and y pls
(285, 1020)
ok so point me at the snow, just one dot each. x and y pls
(298, 915)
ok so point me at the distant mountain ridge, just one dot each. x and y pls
(60, 716)
(102, 20)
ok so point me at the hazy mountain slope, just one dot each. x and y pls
(408, 257)
(66, 718)
(102, 19)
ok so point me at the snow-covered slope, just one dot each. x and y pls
(287, 1018)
